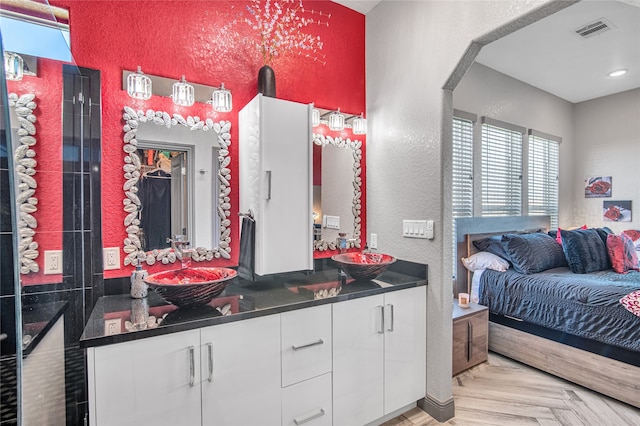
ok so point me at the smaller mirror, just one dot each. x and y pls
(340, 193)
(192, 155)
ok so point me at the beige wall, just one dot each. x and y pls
(607, 144)
(412, 49)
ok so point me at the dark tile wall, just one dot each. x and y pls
(82, 280)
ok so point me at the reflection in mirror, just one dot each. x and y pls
(163, 191)
(23, 129)
(204, 169)
(340, 193)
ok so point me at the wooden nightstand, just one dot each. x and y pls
(470, 336)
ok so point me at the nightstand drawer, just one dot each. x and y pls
(470, 337)
(306, 344)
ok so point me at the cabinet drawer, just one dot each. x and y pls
(470, 341)
(306, 344)
(308, 402)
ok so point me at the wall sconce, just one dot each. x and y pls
(359, 125)
(315, 118)
(13, 66)
(183, 93)
(221, 99)
(139, 85)
(336, 121)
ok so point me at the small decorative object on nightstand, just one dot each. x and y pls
(470, 336)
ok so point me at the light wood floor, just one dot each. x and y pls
(506, 393)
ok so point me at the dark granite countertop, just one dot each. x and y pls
(120, 318)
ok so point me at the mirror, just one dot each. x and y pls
(23, 129)
(204, 169)
(340, 166)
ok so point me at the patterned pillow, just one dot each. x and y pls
(585, 250)
(632, 302)
(622, 253)
(532, 253)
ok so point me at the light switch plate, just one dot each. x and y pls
(332, 222)
(111, 258)
(414, 228)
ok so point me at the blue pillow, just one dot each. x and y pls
(532, 253)
(492, 245)
(585, 250)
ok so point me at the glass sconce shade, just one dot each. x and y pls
(359, 125)
(183, 93)
(315, 118)
(139, 86)
(221, 99)
(336, 121)
(13, 66)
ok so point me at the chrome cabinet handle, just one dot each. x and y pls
(390, 328)
(306, 345)
(302, 420)
(192, 366)
(268, 172)
(210, 350)
(381, 328)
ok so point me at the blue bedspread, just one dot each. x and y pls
(585, 305)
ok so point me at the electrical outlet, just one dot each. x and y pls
(373, 243)
(52, 262)
(112, 326)
(111, 258)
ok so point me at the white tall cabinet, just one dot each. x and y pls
(275, 154)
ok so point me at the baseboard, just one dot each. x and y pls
(439, 410)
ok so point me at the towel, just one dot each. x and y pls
(246, 262)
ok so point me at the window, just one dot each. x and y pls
(543, 175)
(462, 165)
(501, 168)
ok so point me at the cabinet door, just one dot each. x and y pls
(148, 381)
(285, 235)
(405, 347)
(358, 350)
(241, 373)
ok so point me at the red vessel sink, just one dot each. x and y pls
(363, 266)
(190, 286)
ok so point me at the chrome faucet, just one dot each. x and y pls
(342, 242)
(182, 250)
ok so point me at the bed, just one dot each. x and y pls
(568, 324)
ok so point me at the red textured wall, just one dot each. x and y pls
(172, 38)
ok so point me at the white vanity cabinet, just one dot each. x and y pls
(379, 355)
(228, 374)
(147, 381)
(275, 164)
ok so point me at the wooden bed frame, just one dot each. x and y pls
(596, 372)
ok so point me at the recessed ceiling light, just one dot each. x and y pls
(617, 73)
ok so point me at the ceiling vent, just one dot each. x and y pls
(594, 28)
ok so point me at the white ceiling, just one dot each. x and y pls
(549, 55)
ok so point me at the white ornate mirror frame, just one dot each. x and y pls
(356, 148)
(132, 167)
(25, 163)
